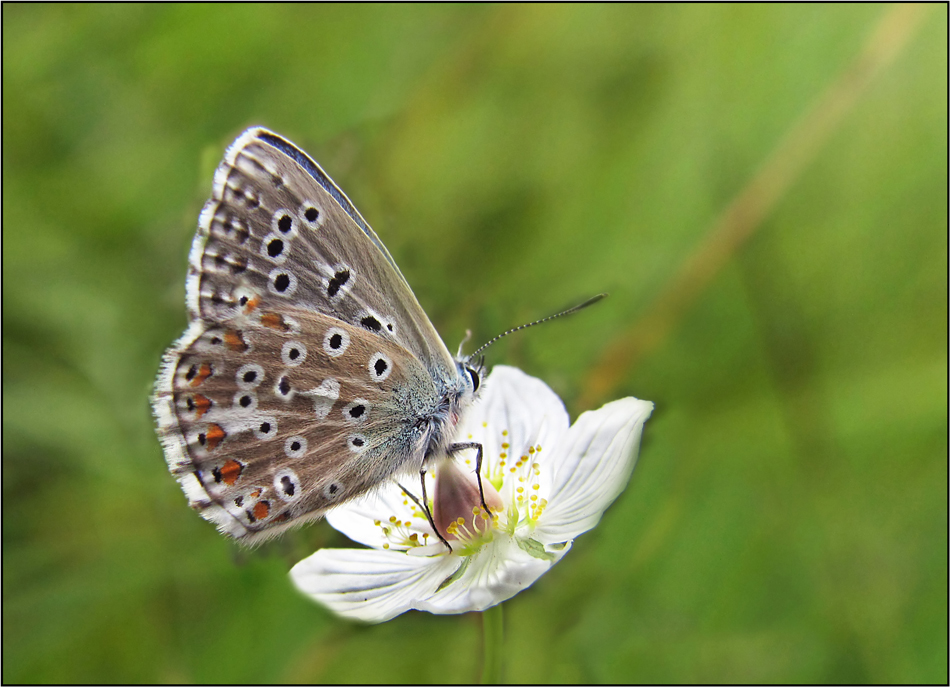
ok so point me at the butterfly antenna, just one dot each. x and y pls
(569, 311)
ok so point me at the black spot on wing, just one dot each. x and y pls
(339, 279)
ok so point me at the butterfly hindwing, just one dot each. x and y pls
(269, 427)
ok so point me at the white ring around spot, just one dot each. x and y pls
(374, 361)
(275, 223)
(298, 452)
(333, 490)
(318, 222)
(353, 446)
(243, 370)
(362, 416)
(286, 353)
(265, 248)
(293, 324)
(281, 394)
(279, 485)
(271, 431)
(344, 342)
(242, 408)
(291, 285)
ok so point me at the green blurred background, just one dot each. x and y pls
(788, 517)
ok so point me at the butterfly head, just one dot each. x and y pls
(471, 370)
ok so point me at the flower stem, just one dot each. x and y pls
(493, 638)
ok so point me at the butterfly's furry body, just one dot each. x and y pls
(309, 373)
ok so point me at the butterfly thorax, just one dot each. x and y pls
(440, 424)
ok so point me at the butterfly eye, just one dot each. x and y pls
(475, 381)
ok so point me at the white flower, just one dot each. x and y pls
(545, 481)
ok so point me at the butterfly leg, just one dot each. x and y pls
(455, 448)
(424, 505)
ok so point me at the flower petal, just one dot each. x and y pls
(523, 407)
(592, 467)
(370, 585)
(496, 573)
(357, 518)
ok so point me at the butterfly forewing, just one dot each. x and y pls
(271, 232)
(309, 369)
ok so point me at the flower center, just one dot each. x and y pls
(519, 479)
(513, 493)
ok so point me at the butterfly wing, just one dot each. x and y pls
(268, 427)
(278, 230)
(308, 363)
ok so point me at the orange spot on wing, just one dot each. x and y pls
(234, 341)
(202, 404)
(251, 305)
(213, 436)
(230, 472)
(255, 493)
(202, 372)
(261, 509)
(274, 321)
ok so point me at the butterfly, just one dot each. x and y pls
(309, 374)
